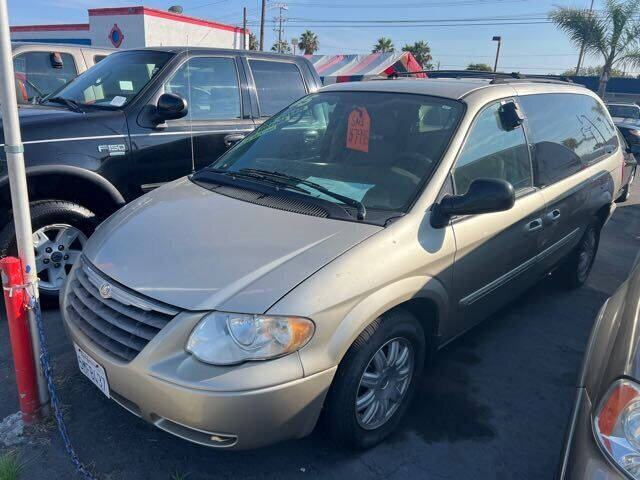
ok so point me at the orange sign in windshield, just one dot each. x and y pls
(358, 127)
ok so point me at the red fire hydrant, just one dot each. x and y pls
(16, 300)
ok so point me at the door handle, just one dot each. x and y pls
(534, 225)
(554, 215)
(232, 138)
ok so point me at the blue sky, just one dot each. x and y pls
(533, 48)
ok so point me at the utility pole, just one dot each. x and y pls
(294, 44)
(498, 39)
(244, 29)
(280, 19)
(264, 8)
(18, 184)
(581, 55)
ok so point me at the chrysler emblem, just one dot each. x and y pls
(105, 290)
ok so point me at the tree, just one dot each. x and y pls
(480, 67)
(614, 34)
(308, 42)
(384, 45)
(282, 47)
(421, 52)
(594, 71)
(253, 42)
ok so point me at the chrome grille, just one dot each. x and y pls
(116, 319)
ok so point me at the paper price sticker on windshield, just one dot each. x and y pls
(358, 127)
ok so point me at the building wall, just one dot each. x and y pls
(165, 31)
(76, 33)
(130, 25)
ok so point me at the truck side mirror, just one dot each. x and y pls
(170, 107)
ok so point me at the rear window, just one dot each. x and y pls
(625, 111)
(568, 132)
(36, 76)
(277, 83)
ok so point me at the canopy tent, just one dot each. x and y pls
(350, 68)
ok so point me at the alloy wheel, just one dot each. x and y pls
(384, 383)
(57, 247)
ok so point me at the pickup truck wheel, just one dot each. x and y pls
(375, 381)
(61, 229)
(573, 273)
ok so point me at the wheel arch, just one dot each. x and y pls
(73, 184)
(423, 297)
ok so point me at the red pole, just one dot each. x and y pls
(15, 300)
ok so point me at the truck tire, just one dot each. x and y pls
(375, 381)
(61, 229)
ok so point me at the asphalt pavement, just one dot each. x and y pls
(494, 405)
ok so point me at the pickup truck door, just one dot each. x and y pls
(218, 117)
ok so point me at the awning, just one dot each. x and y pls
(350, 68)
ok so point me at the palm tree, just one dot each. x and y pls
(253, 42)
(421, 52)
(281, 46)
(383, 45)
(614, 34)
(308, 42)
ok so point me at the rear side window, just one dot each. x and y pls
(97, 58)
(278, 84)
(568, 132)
(493, 152)
(36, 75)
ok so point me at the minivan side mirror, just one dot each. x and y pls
(484, 195)
(55, 60)
(170, 107)
(510, 116)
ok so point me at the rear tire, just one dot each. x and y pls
(574, 272)
(381, 368)
(60, 230)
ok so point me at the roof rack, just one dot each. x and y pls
(495, 77)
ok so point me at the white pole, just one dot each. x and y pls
(18, 182)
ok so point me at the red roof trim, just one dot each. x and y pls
(63, 27)
(152, 12)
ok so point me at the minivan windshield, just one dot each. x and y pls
(371, 149)
(624, 111)
(114, 81)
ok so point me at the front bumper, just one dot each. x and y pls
(582, 459)
(240, 407)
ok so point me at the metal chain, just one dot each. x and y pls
(53, 395)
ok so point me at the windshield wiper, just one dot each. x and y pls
(362, 211)
(66, 102)
(260, 177)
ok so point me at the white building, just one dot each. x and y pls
(133, 27)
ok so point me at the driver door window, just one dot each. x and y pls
(493, 152)
(210, 87)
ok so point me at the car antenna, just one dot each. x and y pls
(188, 74)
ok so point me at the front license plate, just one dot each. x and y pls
(92, 370)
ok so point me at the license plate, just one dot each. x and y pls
(92, 370)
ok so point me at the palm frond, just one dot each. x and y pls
(582, 27)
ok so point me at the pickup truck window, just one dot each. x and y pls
(277, 83)
(210, 87)
(116, 80)
(36, 77)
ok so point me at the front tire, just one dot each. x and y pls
(60, 229)
(375, 381)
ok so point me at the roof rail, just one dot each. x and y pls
(495, 77)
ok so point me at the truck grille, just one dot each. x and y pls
(118, 320)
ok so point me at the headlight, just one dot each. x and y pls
(617, 426)
(224, 338)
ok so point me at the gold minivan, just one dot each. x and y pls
(314, 268)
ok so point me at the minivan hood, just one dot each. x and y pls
(199, 250)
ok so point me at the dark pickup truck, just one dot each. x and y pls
(134, 121)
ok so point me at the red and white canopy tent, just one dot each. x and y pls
(350, 68)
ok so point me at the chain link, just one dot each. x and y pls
(53, 395)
